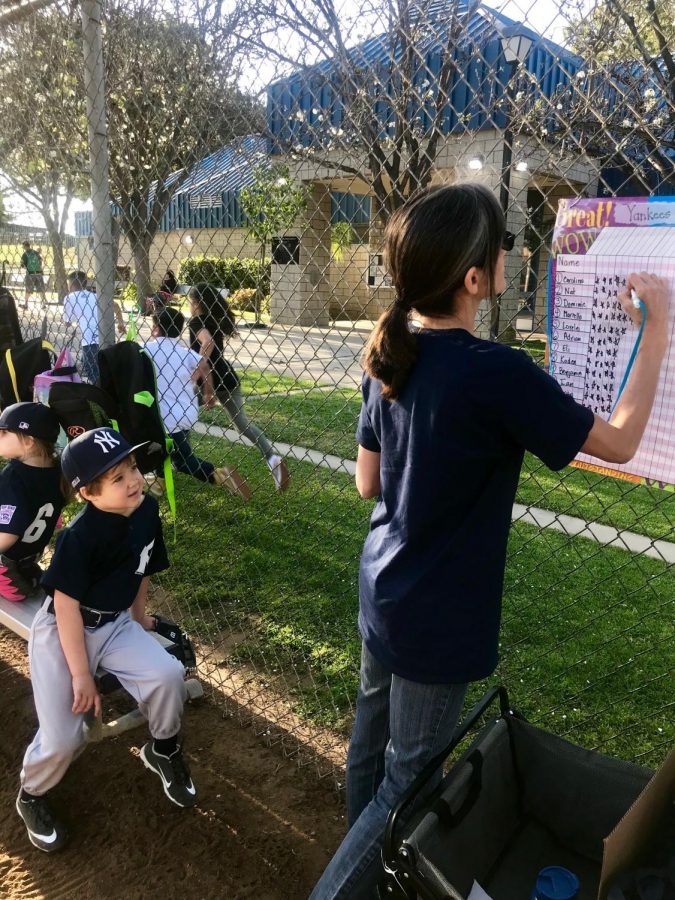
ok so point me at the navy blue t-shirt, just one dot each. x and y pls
(30, 505)
(101, 558)
(451, 447)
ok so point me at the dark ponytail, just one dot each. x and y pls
(215, 306)
(391, 350)
(430, 243)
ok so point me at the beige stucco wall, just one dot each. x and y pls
(351, 298)
(170, 248)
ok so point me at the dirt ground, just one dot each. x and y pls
(263, 828)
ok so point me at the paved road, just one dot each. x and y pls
(325, 355)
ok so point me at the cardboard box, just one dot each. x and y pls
(629, 844)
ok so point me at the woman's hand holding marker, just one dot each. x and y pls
(653, 292)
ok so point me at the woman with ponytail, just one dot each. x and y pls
(445, 421)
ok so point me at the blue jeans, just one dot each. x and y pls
(90, 362)
(185, 461)
(400, 725)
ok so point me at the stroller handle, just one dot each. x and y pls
(388, 847)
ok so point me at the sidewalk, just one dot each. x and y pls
(531, 515)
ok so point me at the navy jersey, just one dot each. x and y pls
(451, 447)
(101, 557)
(30, 505)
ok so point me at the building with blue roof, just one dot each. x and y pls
(312, 129)
(313, 120)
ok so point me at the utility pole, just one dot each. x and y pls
(94, 83)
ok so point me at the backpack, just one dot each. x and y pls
(80, 407)
(18, 368)
(33, 262)
(127, 375)
(10, 329)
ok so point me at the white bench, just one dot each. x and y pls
(18, 617)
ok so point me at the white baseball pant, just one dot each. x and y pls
(152, 677)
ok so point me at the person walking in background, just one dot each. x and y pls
(169, 282)
(445, 421)
(212, 321)
(178, 369)
(31, 261)
(80, 310)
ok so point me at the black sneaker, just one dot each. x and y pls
(174, 773)
(44, 832)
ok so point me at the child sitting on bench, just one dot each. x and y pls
(32, 495)
(94, 616)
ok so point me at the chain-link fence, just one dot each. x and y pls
(261, 149)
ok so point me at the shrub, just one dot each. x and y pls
(129, 294)
(243, 300)
(233, 273)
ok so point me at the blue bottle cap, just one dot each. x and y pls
(556, 883)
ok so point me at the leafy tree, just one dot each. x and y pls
(391, 112)
(342, 235)
(170, 103)
(165, 112)
(5, 217)
(271, 205)
(621, 106)
(42, 145)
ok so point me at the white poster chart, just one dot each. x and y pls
(591, 339)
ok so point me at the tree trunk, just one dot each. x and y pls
(56, 240)
(259, 292)
(140, 249)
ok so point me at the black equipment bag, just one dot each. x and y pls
(80, 407)
(10, 329)
(127, 375)
(18, 368)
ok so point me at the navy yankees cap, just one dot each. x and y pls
(34, 419)
(93, 453)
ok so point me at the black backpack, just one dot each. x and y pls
(80, 407)
(18, 368)
(10, 329)
(127, 375)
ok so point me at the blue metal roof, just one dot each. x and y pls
(302, 107)
(209, 197)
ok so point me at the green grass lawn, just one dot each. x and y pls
(587, 639)
(254, 383)
(326, 421)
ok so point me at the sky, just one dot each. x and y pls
(543, 16)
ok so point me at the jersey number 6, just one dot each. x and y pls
(37, 527)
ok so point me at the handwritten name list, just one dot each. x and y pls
(587, 328)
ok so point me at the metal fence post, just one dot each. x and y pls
(94, 81)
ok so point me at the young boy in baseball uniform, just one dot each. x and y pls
(94, 615)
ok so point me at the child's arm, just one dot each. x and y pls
(618, 440)
(203, 372)
(137, 608)
(119, 318)
(71, 635)
(206, 343)
(7, 541)
(367, 473)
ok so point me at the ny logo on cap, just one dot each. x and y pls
(105, 441)
(24, 425)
